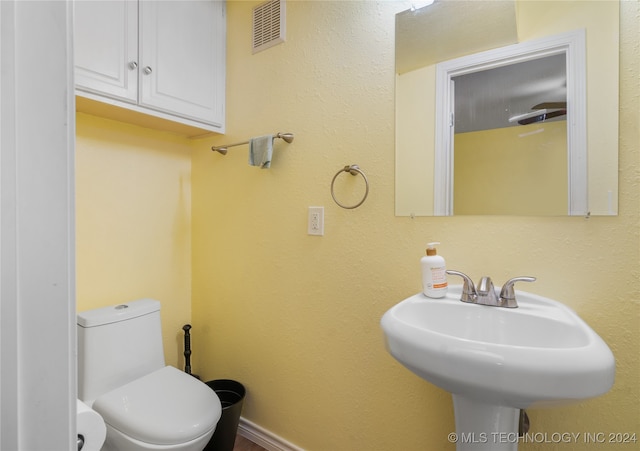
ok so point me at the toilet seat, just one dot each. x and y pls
(166, 407)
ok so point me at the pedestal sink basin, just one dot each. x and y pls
(496, 361)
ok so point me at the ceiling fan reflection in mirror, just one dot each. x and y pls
(541, 112)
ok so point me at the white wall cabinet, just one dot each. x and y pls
(161, 58)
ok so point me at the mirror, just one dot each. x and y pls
(563, 157)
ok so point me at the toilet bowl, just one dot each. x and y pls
(145, 404)
(167, 409)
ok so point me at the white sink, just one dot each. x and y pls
(539, 354)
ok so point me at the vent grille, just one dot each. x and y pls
(268, 25)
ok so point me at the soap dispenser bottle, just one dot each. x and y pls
(434, 275)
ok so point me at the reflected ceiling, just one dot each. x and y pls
(487, 99)
(476, 30)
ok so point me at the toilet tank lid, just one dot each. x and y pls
(116, 313)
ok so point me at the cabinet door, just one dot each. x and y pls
(182, 58)
(106, 48)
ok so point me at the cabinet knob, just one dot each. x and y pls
(133, 65)
(147, 70)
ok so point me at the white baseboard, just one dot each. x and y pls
(266, 439)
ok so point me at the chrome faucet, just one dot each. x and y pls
(485, 294)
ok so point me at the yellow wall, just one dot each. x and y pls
(512, 170)
(294, 317)
(415, 122)
(133, 225)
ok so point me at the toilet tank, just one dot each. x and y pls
(117, 345)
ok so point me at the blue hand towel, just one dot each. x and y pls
(260, 150)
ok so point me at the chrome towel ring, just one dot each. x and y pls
(354, 169)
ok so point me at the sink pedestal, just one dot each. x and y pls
(485, 427)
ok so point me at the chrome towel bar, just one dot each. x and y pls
(287, 137)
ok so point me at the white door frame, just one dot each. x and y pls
(37, 227)
(573, 45)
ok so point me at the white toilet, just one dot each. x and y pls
(122, 376)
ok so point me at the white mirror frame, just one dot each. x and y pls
(572, 44)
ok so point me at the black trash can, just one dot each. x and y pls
(231, 394)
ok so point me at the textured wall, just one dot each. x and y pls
(532, 171)
(133, 230)
(296, 317)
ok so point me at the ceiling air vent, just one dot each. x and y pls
(268, 25)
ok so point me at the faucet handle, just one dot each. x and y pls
(508, 295)
(485, 287)
(469, 293)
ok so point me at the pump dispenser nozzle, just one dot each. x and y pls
(431, 248)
